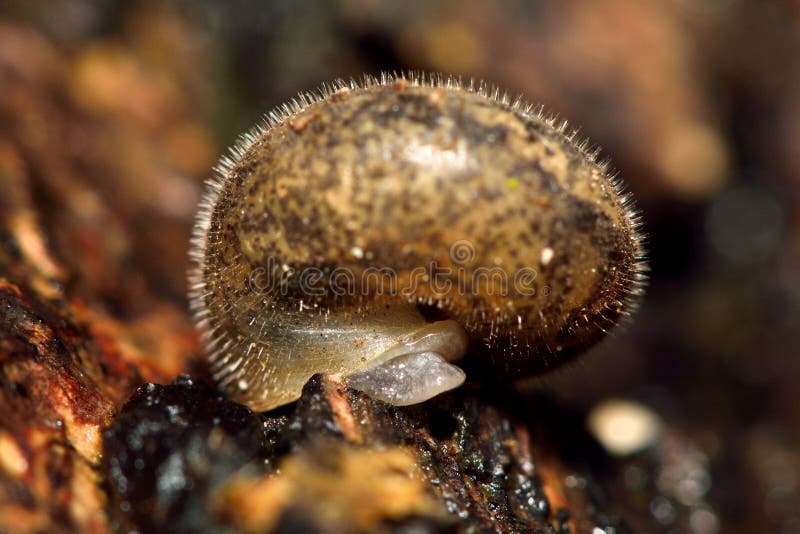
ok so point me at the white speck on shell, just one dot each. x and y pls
(547, 256)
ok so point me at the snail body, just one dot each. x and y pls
(381, 230)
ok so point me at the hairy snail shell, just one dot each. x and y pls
(380, 230)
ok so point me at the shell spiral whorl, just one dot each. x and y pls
(351, 218)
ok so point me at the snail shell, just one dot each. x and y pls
(379, 230)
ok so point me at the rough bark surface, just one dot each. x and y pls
(338, 461)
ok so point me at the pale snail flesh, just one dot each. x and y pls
(381, 230)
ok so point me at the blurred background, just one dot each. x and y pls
(696, 103)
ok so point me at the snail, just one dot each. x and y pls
(382, 230)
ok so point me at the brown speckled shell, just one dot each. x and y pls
(398, 174)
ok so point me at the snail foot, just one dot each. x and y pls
(408, 379)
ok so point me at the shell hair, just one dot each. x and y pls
(319, 184)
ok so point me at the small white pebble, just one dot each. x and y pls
(624, 427)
